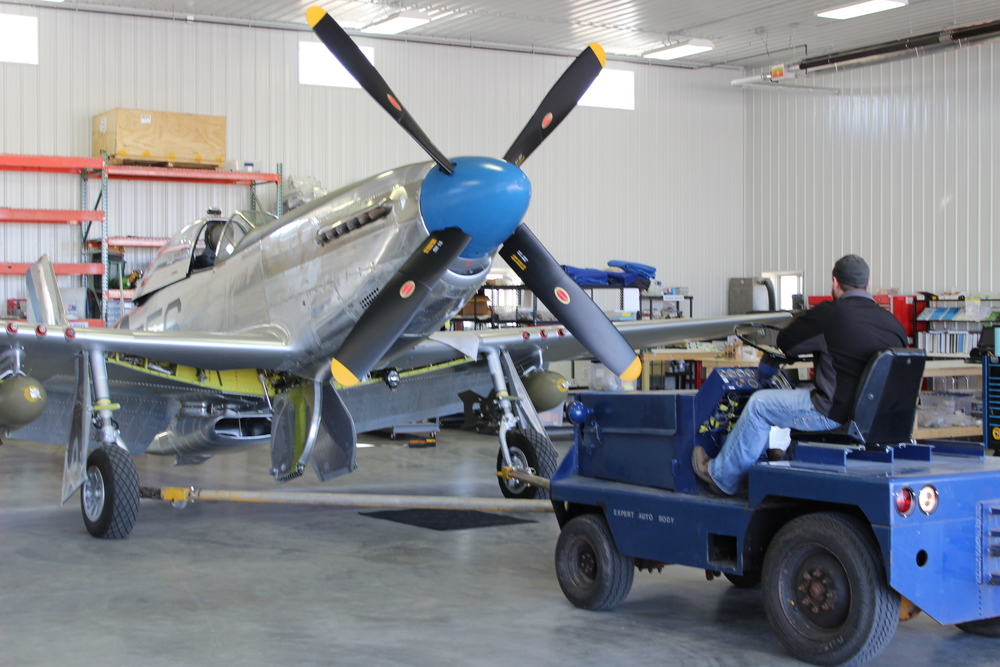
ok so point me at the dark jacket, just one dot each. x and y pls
(842, 335)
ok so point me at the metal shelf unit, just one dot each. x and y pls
(85, 168)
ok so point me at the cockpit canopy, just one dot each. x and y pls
(197, 247)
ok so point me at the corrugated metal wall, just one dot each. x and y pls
(903, 167)
(659, 185)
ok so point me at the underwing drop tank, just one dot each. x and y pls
(22, 401)
(546, 389)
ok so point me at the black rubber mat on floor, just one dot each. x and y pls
(447, 519)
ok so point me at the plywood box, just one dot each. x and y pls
(134, 136)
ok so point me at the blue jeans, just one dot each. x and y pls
(785, 408)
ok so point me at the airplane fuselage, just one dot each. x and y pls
(313, 273)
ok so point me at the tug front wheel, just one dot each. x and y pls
(591, 571)
(528, 449)
(109, 496)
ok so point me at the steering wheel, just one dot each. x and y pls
(762, 337)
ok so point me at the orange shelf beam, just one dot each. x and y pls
(179, 175)
(60, 269)
(49, 163)
(49, 216)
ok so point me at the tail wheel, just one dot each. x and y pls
(528, 449)
(109, 496)
(591, 571)
(825, 591)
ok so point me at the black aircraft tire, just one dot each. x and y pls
(109, 497)
(745, 580)
(592, 573)
(987, 627)
(528, 449)
(825, 591)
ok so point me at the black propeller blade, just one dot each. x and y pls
(391, 311)
(350, 56)
(569, 303)
(559, 101)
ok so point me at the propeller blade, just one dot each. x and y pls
(396, 304)
(557, 104)
(569, 303)
(354, 61)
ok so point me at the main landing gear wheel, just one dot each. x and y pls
(528, 449)
(592, 573)
(109, 496)
(825, 592)
(987, 627)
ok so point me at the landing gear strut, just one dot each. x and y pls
(525, 448)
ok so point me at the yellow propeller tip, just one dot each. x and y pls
(340, 373)
(314, 15)
(599, 52)
(633, 371)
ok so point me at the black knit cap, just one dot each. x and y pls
(851, 271)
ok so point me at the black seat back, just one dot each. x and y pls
(885, 404)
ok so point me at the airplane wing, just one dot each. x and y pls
(555, 343)
(266, 347)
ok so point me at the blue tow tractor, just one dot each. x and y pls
(853, 531)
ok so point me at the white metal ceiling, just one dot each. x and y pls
(746, 33)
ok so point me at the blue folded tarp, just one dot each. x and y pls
(586, 276)
(644, 270)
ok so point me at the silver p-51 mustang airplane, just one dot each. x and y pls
(268, 333)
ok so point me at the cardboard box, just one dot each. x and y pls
(134, 136)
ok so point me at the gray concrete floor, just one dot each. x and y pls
(228, 584)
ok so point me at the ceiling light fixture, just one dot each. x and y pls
(860, 9)
(398, 23)
(684, 49)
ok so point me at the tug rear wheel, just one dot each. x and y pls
(825, 592)
(528, 449)
(109, 496)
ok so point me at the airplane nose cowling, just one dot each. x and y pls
(484, 197)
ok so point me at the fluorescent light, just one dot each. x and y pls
(18, 39)
(861, 9)
(318, 67)
(612, 89)
(399, 23)
(688, 48)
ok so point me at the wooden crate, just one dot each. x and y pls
(159, 138)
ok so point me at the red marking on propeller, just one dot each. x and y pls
(526, 335)
(562, 332)
(544, 333)
(70, 332)
(394, 103)
(41, 330)
(547, 120)
(406, 291)
(12, 327)
(562, 295)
